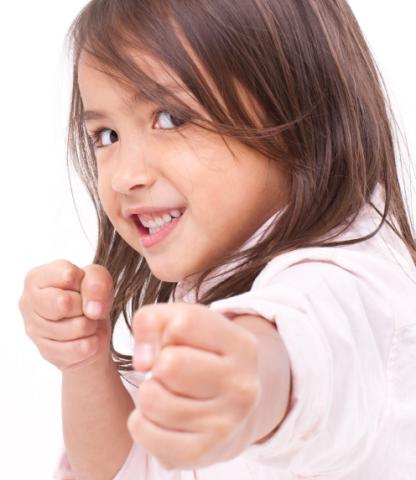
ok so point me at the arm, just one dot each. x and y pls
(95, 408)
(338, 373)
(275, 377)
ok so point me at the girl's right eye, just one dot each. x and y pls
(103, 137)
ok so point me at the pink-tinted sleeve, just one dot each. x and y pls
(339, 390)
(63, 469)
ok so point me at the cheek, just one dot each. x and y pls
(106, 196)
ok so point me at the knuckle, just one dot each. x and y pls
(182, 322)
(248, 394)
(62, 263)
(91, 326)
(169, 362)
(68, 276)
(178, 329)
(79, 349)
(79, 327)
(67, 270)
(64, 302)
(85, 346)
(79, 346)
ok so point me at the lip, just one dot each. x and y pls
(149, 240)
(128, 213)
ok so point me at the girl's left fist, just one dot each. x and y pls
(204, 384)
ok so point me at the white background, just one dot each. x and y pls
(39, 220)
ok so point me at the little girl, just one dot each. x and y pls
(253, 234)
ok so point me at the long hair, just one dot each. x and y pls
(325, 118)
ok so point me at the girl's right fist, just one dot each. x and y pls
(66, 313)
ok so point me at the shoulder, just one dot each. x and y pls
(381, 259)
(303, 270)
(372, 275)
(374, 264)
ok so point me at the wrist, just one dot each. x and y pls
(275, 376)
(100, 364)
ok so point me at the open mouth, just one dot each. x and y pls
(148, 229)
(142, 229)
(154, 230)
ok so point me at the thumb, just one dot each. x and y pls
(97, 292)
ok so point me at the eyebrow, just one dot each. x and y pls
(137, 97)
(92, 115)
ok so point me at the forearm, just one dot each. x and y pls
(95, 408)
(275, 378)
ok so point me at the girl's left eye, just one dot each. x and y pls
(167, 121)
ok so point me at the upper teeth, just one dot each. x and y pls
(160, 220)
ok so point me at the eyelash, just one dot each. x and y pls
(95, 134)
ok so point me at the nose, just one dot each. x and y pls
(131, 170)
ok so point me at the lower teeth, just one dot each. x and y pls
(152, 231)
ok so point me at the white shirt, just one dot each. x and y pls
(347, 316)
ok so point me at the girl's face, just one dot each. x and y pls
(148, 160)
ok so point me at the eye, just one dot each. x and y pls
(167, 121)
(103, 137)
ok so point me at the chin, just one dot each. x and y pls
(173, 273)
(166, 274)
(166, 277)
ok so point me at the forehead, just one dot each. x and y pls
(96, 81)
(89, 67)
(98, 84)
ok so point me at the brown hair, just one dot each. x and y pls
(324, 114)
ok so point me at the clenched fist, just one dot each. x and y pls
(66, 312)
(204, 388)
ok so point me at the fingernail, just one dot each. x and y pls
(93, 309)
(144, 353)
